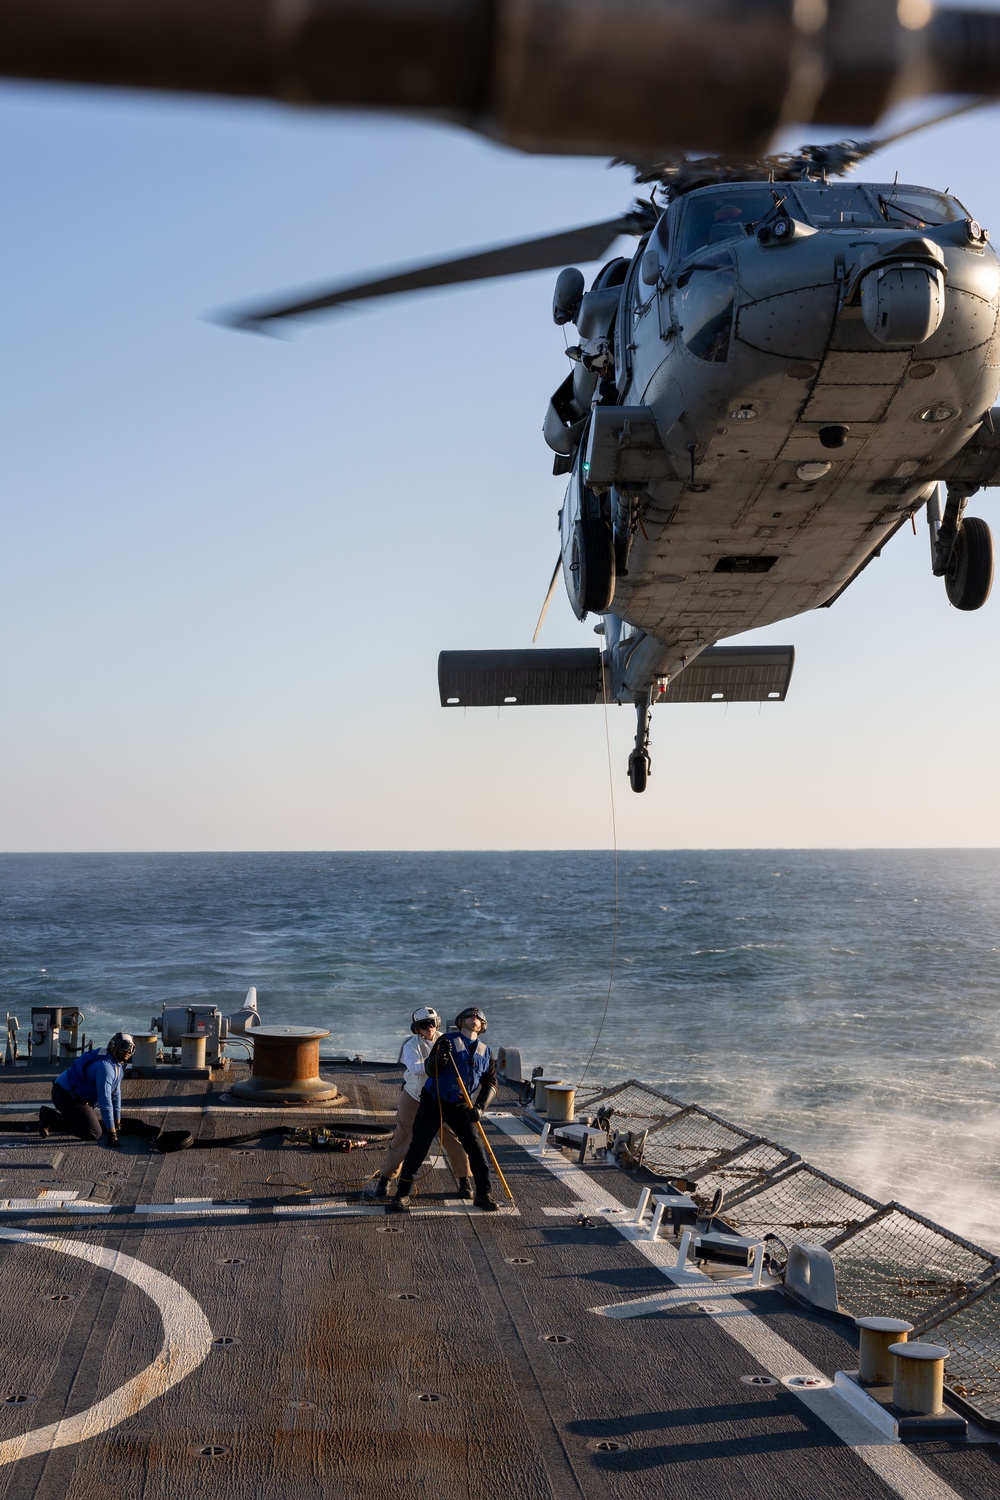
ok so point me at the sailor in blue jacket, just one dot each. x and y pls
(441, 1102)
(89, 1094)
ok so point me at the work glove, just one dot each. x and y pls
(111, 1138)
(475, 1115)
(442, 1047)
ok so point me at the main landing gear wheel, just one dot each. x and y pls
(593, 564)
(969, 575)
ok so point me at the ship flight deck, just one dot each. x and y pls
(237, 1321)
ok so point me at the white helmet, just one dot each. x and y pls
(121, 1046)
(425, 1016)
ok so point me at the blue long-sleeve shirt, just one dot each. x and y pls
(95, 1078)
(475, 1063)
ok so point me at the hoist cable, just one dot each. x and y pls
(614, 841)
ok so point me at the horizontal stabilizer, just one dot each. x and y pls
(720, 674)
(489, 679)
(734, 674)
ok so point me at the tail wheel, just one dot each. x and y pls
(638, 771)
(969, 576)
(593, 564)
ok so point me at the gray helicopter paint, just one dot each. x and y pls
(798, 361)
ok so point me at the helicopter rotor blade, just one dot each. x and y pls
(948, 114)
(587, 243)
(548, 598)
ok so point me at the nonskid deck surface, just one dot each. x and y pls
(355, 1354)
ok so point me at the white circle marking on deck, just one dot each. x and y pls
(187, 1339)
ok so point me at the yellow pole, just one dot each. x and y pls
(482, 1132)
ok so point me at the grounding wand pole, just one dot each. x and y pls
(482, 1132)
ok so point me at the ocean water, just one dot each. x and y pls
(846, 1004)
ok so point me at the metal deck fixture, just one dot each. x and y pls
(875, 1362)
(559, 1099)
(918, 1378)
(193, 1049)
(541, 1083)
(286, 1067)
(146, 1045)
(55, 1030)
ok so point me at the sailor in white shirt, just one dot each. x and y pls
(426, 1027)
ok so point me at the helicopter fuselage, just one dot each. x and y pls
(792, 368)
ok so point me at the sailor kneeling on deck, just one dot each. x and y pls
(458, 1054)
(89, 1094)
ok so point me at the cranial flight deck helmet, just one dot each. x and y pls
(121, 1047)
(425, 1016)
(471, 1010)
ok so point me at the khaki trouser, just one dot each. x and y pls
(398, 1146)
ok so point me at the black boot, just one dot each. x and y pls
(465, 1187)
(485, 1202)
(48, 1119)
(401, 1203)
(382, 1187)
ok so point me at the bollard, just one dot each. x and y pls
(644, 1198)
(559, 1099)
(286, 1067)
(541, 1084)
(918, 1378)
(875, 1363)
(145, 1050)
(193, 1049)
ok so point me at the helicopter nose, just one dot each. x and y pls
(902, 304)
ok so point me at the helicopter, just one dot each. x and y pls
(786, 370)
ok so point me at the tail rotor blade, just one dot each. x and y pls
(548, 598)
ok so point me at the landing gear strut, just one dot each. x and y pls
(962, 550)
(638, 761)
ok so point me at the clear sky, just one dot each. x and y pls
(228, 563)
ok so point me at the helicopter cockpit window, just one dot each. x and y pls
(834, 206)
(722, 214)
(703, 310)
(918, 208)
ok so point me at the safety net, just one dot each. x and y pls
(972, 1332)
(889, 1260)
(901, 1265)
(802, 1204)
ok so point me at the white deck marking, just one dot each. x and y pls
(187, 1339)
(896, 1465)
(331, 1210)
(51, 1206)
(192, 1206)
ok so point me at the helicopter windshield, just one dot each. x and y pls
(918, 208)
(835, 206)
(720, 214)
